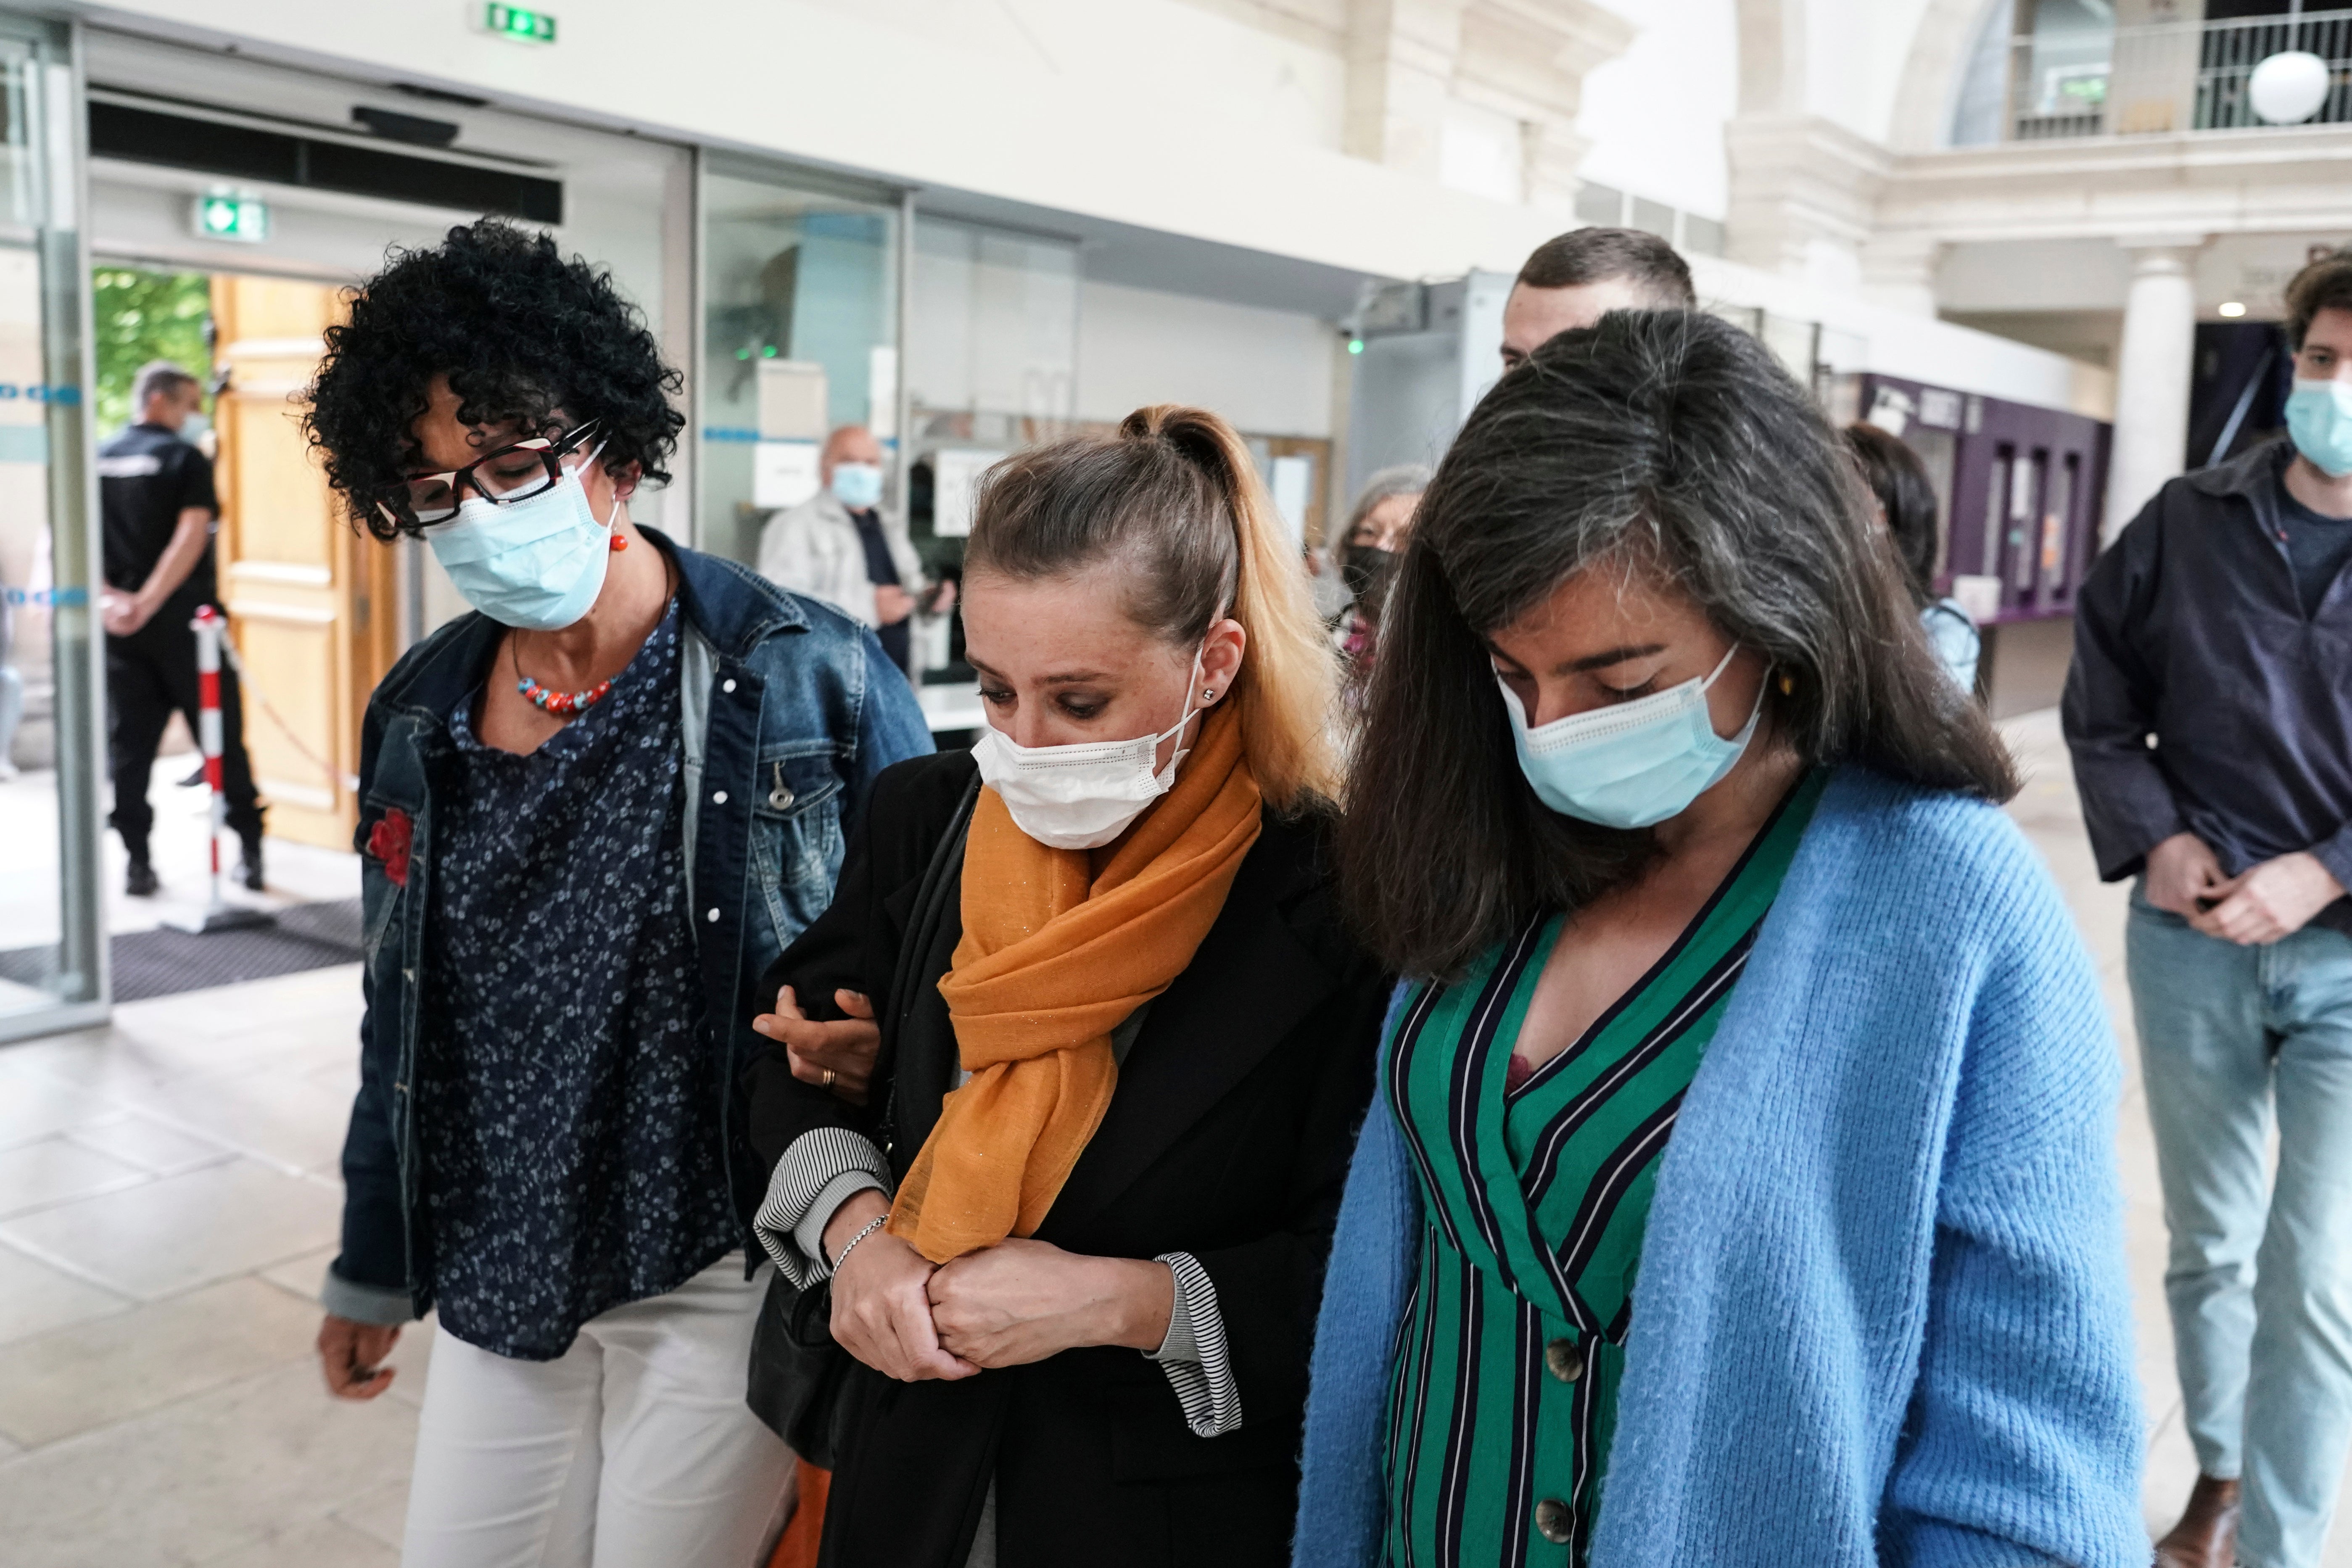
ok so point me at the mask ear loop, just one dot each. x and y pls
(1719, 668)
(1762, 685)
(609, 523)
(1176, 758)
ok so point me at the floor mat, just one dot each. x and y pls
(166, 962)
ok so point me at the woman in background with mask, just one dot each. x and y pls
(574, 806)
(1376, 534)
(1741, 1189)
(1905, 500)
(1072, 1217)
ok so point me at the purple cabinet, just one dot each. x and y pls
(2022, 488)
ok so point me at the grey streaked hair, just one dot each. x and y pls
(156, 378)
(1672, 448)
(1399, 479)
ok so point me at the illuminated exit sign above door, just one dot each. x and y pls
(220, 215)
(518, 22)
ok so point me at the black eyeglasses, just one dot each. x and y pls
(509, 474)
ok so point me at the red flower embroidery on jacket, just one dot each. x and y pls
(388, 842)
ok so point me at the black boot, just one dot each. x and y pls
(248, 867)
(138, 881)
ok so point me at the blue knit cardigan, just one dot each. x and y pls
(1880, 1315)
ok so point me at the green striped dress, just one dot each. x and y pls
(1535, 1190)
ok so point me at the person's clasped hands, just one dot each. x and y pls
(2261, 905)
(1007, 1305)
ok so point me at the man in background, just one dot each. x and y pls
(837, 546)
(1574, 280)
(2212, 728)
(158, 512)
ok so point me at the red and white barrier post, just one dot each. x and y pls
(207, 627)
(219, 914)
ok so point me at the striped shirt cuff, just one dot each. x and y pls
(1193, 1356)
(818, 1173)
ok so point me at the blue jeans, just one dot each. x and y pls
(2260, 1275)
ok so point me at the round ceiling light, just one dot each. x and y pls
(2288, 88)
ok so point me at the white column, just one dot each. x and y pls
(2152, 375)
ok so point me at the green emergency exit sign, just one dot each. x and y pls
(515, 22)
(222, 217)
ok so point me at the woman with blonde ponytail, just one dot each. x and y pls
(1065, 1083)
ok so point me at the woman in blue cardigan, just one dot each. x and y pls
(1741, 1186)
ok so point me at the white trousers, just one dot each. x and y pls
(633, 1449)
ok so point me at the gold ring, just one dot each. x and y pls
(828, 1077)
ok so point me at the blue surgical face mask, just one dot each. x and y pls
(537, 564)
(2319, 421)
(1633, 764)
(857, 485)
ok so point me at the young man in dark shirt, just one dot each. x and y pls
(157, 507)
(2212, 728)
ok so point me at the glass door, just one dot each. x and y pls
(801, 289)
(52, 952)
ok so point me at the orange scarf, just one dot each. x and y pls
(1054, 956)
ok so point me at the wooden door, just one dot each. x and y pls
(310, 602)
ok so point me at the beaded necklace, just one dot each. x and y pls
(565, 704)
(562, 704)
(547, 699)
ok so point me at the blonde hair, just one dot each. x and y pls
(1175, 495)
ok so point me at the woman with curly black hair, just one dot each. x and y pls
(592, 812)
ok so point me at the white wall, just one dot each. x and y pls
(1160, 113)
(1167, 114)
(2250, 269)
(1267, 371)
(2033, 275)
(1921, 348)
(1656, 114)
(1855, 52)
(1153, 112)
(995, 322)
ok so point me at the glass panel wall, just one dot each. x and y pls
(800, 336)
(52, 961)
(992, 365)
(994, 357)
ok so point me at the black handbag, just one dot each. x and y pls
(797, 1371)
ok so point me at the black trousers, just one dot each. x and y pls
(150, 674)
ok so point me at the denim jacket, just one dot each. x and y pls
(788, 710)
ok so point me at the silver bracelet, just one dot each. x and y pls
(877, 1223)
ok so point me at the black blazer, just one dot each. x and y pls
(1228, 1138)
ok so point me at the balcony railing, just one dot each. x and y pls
(2185, 76)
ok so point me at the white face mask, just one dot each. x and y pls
(1080, 796)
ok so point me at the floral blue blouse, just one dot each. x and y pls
(572, 1160)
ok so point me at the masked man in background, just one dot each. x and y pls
(839, 546)
(592, 812)
(158, 510)
(2212, 728)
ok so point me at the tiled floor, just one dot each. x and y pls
(168, 1199)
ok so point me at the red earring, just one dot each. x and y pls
(619, 545)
